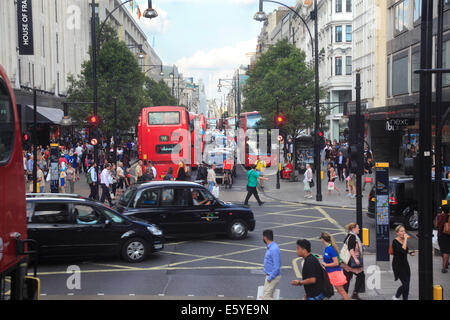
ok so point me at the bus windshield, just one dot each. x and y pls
(164, 118)
(253, 121)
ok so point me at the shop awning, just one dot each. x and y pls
(44, 115)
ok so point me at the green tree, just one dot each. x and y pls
(282, 72)
(159, 93)
(120, 80)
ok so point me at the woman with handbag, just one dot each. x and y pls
(368, 165)
(400, 264)
(308, 182)
(442, 224)
(354, 265)
(331, 180)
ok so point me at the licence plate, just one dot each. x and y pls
(158, 246)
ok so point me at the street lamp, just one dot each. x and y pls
(149, 13)
(261, 16)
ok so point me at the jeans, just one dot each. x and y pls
(211, 186)
(319, 297)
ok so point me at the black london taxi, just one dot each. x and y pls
(185, 208)
(72, 226)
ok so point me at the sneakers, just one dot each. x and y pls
(261, 203)
(395, 298)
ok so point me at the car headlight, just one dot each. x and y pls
(154, 230)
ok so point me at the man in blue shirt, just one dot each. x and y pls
(272, 265)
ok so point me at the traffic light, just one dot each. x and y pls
(280, 120)
(353, 140)
(94, 120)
(26, 140)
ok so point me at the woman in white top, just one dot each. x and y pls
(306, 182)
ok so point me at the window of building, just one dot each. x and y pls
(401, 17)
(338, 69)
(415, 77)
(417, 10)
(446, 62)
(338, 6)
(348, 65)
(348, 5)
(400, 74)
(388, 82)
(338, 33)
(348, 33)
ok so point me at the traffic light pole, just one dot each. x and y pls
(35, 140)
(317, 91)
(279, 153)
(94, 83)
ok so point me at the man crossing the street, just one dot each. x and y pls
(105, 182)
(272, 265)
(253, 176)
(92, 173)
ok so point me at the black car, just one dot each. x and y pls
(403, 205)
(73, 226)
(185, 208)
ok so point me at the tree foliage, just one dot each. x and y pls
(282, 72)
(159, 93)
(120, 80)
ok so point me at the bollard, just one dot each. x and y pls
(438, 293)
(321, 175)
(365, 237)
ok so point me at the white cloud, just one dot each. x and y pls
(215, 64)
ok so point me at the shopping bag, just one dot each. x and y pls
(368, 180)
(331, 185)
(215, 191)
(276, 295)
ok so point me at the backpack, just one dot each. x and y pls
(88, 176)
(328, 290)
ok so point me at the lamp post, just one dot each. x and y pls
(261, 16)
(172, 76)
(149, 13)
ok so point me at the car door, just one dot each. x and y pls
(52, 228)
(209, 217)
(176, 216)
(145, 206)
(93, 235)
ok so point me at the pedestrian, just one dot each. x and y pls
(351, 180)
(114, 180)
(368, 165)
(332, 264)
(40, 178)
(93, 180)
(150, 164)
(169, 175)
(441, 221)
(127, 178)
(71, 178)
(211, 179)
(148, 175)
(272, 265)
(400, 264)
(253, 176)
(181, 174)
(341, 160)
(307, 181)
(355, 265)
(332, 179)
(139, 171)
(105, 182)
(312, 272)
(120, 179)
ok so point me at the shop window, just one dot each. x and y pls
(415, 77)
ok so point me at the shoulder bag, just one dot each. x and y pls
(345, 253)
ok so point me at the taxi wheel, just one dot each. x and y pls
(134, 250)
(237, 230)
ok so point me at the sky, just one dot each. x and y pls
(206, 39)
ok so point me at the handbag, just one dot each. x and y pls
(345, 253)
(215, 191)
(331, 185)
(352, 263)
(311, 183)
(368, 180)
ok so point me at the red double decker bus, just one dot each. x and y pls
(257, 140)
(13, 216)
(164, 137)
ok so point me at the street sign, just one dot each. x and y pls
(280, 138)
(382, 210)
(25, 27)
(94, 142)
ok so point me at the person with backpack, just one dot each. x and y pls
(312, 273)
(332, 264)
